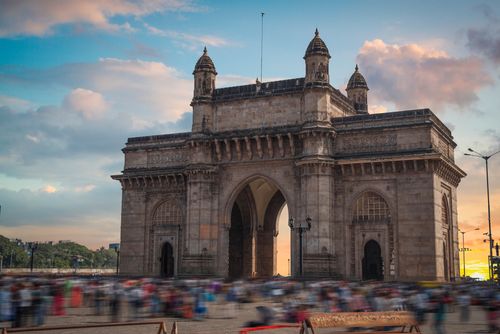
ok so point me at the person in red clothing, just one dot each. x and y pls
(58, 304)
(76, 296)
(301, 314)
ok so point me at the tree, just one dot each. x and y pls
(13, 255)
(61, 255)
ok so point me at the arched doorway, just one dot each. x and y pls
(239, 242)
(253, 249)
(372, 261)
(167, 260)
(372, 238)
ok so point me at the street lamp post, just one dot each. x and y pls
(486, 158)
(463, 244)
(32, 246)
(117, 250)
(301, 227)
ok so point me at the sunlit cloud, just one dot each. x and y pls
(417, 76)
(159, 91)
(89, 103)
(39, 18)
(376, 109)
(49, 189)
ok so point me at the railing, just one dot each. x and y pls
(264, 328)
(161, 330)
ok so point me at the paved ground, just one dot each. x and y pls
(220, 323)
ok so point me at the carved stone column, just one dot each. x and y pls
(201, 227)
(316, 191)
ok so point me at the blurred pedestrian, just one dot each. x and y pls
(38, 305)
(5, 303)
(439, 307)
(464, 301)
(115, 299)
(58, 300)
(492, 313)
(76, 295)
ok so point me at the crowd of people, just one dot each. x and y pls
(28, 301)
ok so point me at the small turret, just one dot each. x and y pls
(317, 59)
(357, 91)
(204, 87)
(204, 77)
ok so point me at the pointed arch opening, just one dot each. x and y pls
(372, 238)
(253, 249)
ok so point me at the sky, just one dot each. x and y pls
(77, 78)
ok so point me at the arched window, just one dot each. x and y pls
(168, 213)
(371, 207)
(444, 211)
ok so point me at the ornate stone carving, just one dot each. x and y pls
(166, 157)
(378, 143)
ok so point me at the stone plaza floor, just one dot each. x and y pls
(219, 322)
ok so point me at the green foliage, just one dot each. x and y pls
(59, 255)
(12, 254)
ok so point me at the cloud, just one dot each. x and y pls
(149, 90)
(51, 143)
(91, 104)
(377, 109)
(229, 80)
(14, 103)
(48, 189)
(485, 42)
(85, 188)
(415, 76)
(189, 41)
(140, 50)
(38, 18)
(64, 154)
(88, 217)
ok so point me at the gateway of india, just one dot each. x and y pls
(379, 191)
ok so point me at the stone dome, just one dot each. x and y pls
(357, 80)
(205, 63)
(317, 47)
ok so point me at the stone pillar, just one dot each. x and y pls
(417, 230)
(201, 229)
(132, 257)
(316, 175)
(316, 202)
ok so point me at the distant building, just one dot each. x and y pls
(381, 189)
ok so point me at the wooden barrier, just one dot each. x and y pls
(377, 320)
(161, 330)
(264, 328)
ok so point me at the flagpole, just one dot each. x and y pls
(261, 42)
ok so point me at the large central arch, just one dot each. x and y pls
(254, 213)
